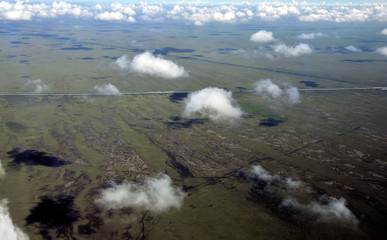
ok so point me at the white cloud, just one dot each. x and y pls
(214, 103)
(108, 89)
(332, 209)
(146, 63)
(298, 50)
(199, 13)
(384, 31)
(382, 51)
(257, 171)
(155, 194)
(261, 173)
(290, 95)
(293, 184)
(121, 63)
(262, 36)
(7, 229)
(2, 171)
(328, 209)
(267, 86)
(310, 35)
(353, 48)
(107, 16)
(40, 87)
(17, 15)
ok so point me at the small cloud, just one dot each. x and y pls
(17, 15)
(155, 194)
(40, 87)
(310, 35)
(382, 51)
(262, 36)
(384, 31)
(2, 171)
(108, 89)
(266, 86)
(121, 63)
(329, 209)
(261, 173)
(214, 103)
(293, 95)
(7, 229)
(293, 184)
(298, 50)
(353, 48)
(146, 63)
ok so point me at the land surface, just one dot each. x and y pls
(60, 151)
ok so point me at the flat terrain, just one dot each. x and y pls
(60, 151)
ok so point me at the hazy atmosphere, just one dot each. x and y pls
(193, 120)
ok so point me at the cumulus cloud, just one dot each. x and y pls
(262, 36)
(267, 87)
(382, 51)
(328, 209)
(298, 50)
(2, 171)
(198, 13)
(353, 48)
(213, 103)
(257, 171)
(261, 173)
(7, 229)
(146, 63)
(384, 31)
(108, 89)
(155, 194)
(40, 87)
(310, 35)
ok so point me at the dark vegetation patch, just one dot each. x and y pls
(225, 50)
(42, 35)
(192, 36)
(270, 122)
(26, 76)
(198, 55)
(363, 60)
(56, 214)
(177, 97)
(109, 57)
(11, 56)
(109, 48)
(165, 51)
(178, 122)
(98, 78)
(33, 157)
(63, 38)
(19, 42)
(372, 41)
(15, 126)
(241, 89)
(77, 48)
(180, 168)
(88, 58)
(309, 83)
(23, 61)
(184, 57)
